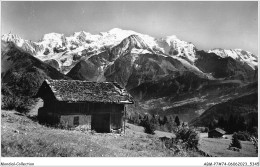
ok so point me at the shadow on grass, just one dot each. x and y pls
(34, 118)
(20, 114)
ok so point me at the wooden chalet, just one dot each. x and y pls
(69, 103)
(216, 133)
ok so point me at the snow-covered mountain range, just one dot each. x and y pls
(158, 73)
(84, 45)
(237, 54)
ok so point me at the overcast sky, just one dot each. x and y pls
(206, 24)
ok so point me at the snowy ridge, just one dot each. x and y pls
(84, 39)
(14, 38)
(237, 54)
(188, 49)
(52, 39)
(140, 51)
(132, 43)
(85, 45)
(175, 47)
(27, 45)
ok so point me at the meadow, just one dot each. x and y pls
(218, 147)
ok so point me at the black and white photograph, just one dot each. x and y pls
(129, 79)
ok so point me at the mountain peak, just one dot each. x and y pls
(135, 40)
(134, 36)
(115, 30)
(80, 33)
(53, 35)
(172, 37)
(13, 38)
(10, 35)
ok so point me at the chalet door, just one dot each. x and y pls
(116, 121)
(101, 122)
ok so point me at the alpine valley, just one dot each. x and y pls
(166, 76)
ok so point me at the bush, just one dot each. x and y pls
(244, 136)
(20, 104)
(188, 136)
(10, 101)
(23, 83)
(7, 103)
(235, 142)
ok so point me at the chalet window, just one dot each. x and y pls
(76, 121)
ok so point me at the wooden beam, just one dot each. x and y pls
(124, 117)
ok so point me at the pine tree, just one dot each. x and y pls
(154, 120)
(235, 142)
(177, 121)
(149, 126)
(165, 120)
(159, 121)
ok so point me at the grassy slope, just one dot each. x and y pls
(21, 136)
(218, 147)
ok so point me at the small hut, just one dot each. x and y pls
(69, 103)
(216, 133)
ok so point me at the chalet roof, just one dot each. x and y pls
(219, 130)
(79, 91)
